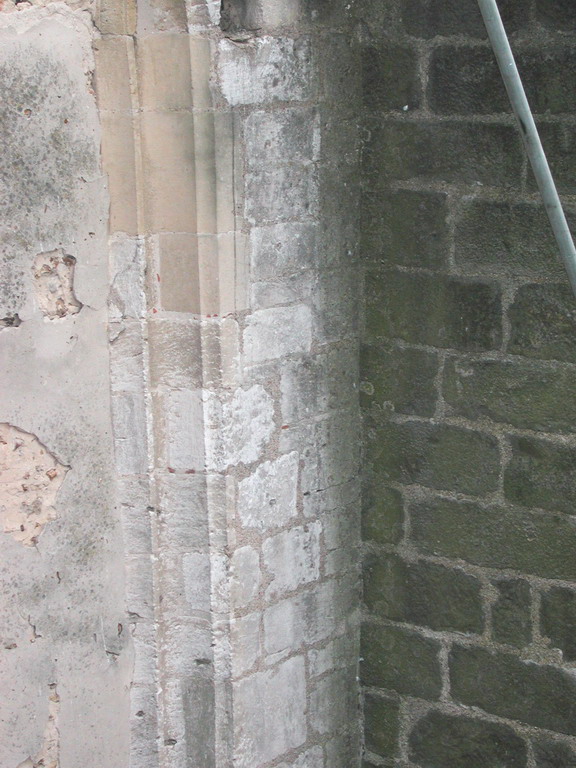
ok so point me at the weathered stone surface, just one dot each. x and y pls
(401, 660)
(405, 227)
(541, 474)
(404, 378)
(435, 455)
(245, 576)
(525, 394)
(438, 311)
(507, 238)
(292, 558)
(54, 284)
(495, 537)
(389, 78)
(381, 724)
(504, 685)
(382, 514)
(273, 333)
(554, 754)
(422, 593)
(278, 722)
(511, 614)
(543, 323)
(438, 740)
(267, 498)
(558, 620)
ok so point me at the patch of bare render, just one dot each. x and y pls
(49, 754)
(54, 284)
(30, 478)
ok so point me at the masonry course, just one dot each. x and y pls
(467, 395)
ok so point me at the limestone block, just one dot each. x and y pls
(245, 642)
(130, 438)
(267, 498)
(244, 576)
(282, 249)
(164, 72)
(196, 567)
(179, 273)
(273, 333)
(169, 171)
(269, 709)
(119, 161)
(113, 80)
(293, 558)
(291, 135)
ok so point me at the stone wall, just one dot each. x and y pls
(180, 325)
(468, 381)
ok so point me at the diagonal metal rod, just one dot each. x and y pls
(519, 102)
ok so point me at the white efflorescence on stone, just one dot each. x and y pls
(267, 498)
(273, 707)
(292, 558)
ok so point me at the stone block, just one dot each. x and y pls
(245, 642)
(504, 685)
(143, 720)
(401, 660)
(130, 437)
(186, 448)
(196, 571)
(423, 593)
(270, 713)
(543, 323)
(556, 14)
(245, 576)
(559, 145)
(558, 620)
(319, 384)
(180, 280)
(452, 152)
(439, 739)
(381, 723)
(119, 162)
(291, 135)
(405, 227)
(337, 654)
(282, 249)
(509, 239)
(292, 558)
(428, 18)
(169, 171)
(182, 513)
(382, 514)
(533, 543)
(547, 79)
(175, 352)
(335, 302)
(116, 18)
(541, 474)
(404, 378)
(332, 700)
(267, 498)
(553, 754)
(310, 617)
(133, 496)
(164, 72)
(281, 192)
(113, 82)
(267, 70)
(525, 394)
(126, 358)
(435, 455)
(390, 78)
(187, 646)
(466, 80)
(438, 311)
(145, 652)
(511, 613)
(273, 333)
(127, 299)
(139, 588)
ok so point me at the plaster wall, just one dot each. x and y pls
(184, 352)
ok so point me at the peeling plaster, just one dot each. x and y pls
(49, 754)
(54, 284)
(30, 478)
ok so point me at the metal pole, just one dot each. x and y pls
(513, 83)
